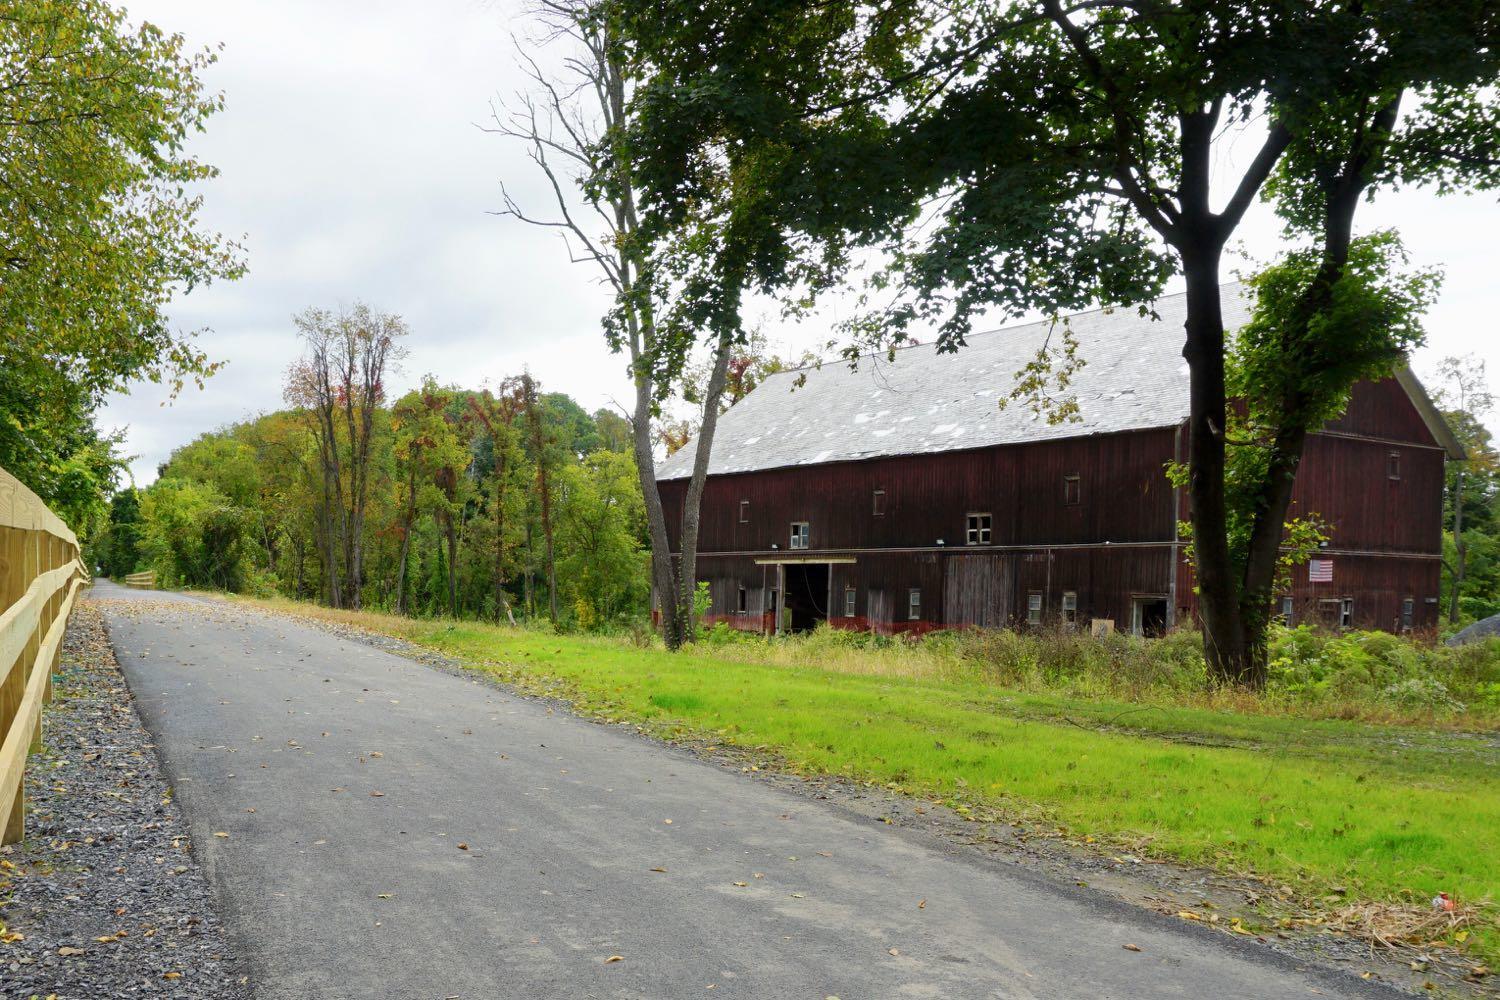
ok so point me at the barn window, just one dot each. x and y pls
(1408, 613)
(744, 602)
(1034, 608)
(849, 602)
(1072, 491)
(744, 511)
(1286, 610)
(800, 534)
(1393, 465)
(877, 503)
(979, 529)
(1337, 611)
(1069, 607)
(914, 604)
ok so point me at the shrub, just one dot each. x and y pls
(1423, 694)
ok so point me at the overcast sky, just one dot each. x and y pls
(353, 165)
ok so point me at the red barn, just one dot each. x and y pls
(901, 496)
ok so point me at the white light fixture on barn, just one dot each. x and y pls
(940, 541)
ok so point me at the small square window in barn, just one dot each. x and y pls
(914, 604)
(800, 534)
(1393, 465)
(877, 503)
(1286, 611)
(1346, 613)
(1069, 608)
(744, 602)
(744, 511)
(979, 529)
(1072, 491)
(849, 599)
(1408, 613)
(1034, 608)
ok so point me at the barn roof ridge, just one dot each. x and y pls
(1008, 328)
(1133, 378)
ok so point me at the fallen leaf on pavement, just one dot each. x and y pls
(614, 958)
(1131, 947)
(220, 833)
(921, 904)
(68, 952)
(742, 884)
(463, 847)
(377, 795)
(658, 869)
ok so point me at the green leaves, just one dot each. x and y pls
(98, 228)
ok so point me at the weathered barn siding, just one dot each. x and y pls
(1347, 482)
(1124, 496)
(1382, 409)
(902, 522)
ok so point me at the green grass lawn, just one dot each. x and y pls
(1387, 813)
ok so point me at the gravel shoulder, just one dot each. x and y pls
(105, 898)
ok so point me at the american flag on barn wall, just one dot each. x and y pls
(1320, 571)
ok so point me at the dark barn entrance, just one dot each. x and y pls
(806, 599)
(1150, 617)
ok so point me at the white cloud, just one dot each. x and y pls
(352, 163)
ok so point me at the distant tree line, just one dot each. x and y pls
(496, 503)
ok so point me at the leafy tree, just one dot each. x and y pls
(543, 448)
(497, 413)
(117, 551)
(339, 384)
(600, 521)
(1470, 496)
(194, 536)
(98, 230)
(571, 125)
(1031, 155)
(614, 430)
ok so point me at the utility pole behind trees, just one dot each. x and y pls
(1464, 392)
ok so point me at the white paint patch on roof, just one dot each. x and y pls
(1134, 379)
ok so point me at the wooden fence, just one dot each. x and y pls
(41, 572)
(145, 580)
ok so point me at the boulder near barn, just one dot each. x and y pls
(902, 496)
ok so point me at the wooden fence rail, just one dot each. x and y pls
(41, 572)
(144, 580)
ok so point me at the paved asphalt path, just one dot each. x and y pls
(512, 850)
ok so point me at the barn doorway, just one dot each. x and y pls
(806, 597)
(1148, 617)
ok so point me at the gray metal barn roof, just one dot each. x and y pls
(1134, 378)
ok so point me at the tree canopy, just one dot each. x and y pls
(99, 229)
(1015, 156)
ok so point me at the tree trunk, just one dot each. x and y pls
(1218, 599)
(1460, 549)
(502, 605)
(452, 532)
(692, 501)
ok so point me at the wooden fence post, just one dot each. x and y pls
(40, 575)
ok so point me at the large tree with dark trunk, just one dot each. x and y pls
(1038, 155)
